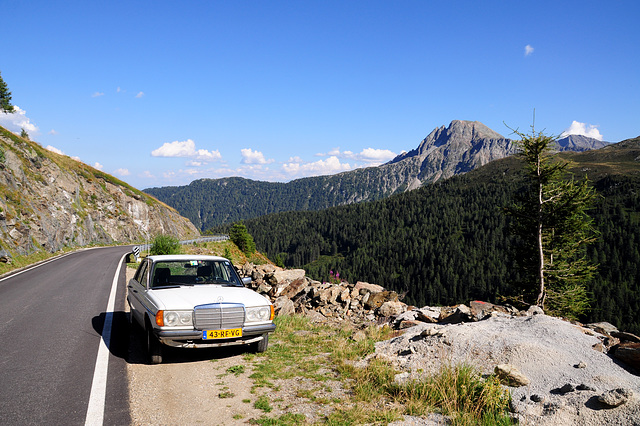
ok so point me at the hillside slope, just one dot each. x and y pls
(49, 201)
(445, 152)
(449, 242)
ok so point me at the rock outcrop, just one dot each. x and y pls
(49, 201)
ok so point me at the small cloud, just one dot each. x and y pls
(53, 132)
(139, 95)
(582, 129)
(98, 166)
(118, 90)
(18, 120)
(321, 167)
(121, 172)
(97, 94)
(371, 156)
(250, 156)
(185, 149)
(54, 149)
(528, 50)
(147, 174)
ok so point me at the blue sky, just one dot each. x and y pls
(161, 93)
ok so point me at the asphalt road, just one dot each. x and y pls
(51, 320)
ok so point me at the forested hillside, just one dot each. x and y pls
(449, 242)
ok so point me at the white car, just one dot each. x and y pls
(196, 302)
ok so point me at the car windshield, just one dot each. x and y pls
(193, 272)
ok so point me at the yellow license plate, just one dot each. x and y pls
(222, 334)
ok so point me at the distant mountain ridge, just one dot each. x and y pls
(447, 151)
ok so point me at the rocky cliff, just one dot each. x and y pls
(48, 201)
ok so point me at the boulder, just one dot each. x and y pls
(294, 288)
(391, 309)
(362, 287)
(509, 375)
(456, 315)
(615, 397)
(625, 337)
(284, 306)
(428, 314)
(375, 300)
(288, 275)
(482, 310)
(602, 327)
(629, 353)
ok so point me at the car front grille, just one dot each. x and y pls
(219, 316)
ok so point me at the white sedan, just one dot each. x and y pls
(195, 302)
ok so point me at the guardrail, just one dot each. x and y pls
(207, 239)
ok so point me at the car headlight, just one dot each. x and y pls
(174, 318)
(259, 314)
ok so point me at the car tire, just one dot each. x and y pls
(154, 347)
(261, 346)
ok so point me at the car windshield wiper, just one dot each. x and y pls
(160, 287)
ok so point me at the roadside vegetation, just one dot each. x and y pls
(324, 356)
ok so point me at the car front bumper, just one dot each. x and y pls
(193, 338)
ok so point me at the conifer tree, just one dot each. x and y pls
(5, 97)
(241, 238)
(552, 222)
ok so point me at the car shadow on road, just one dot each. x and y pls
(128, 342)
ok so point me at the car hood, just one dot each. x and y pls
(187, 297)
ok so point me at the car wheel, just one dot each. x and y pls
(261, 346)
(154, 347)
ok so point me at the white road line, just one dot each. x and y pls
(15, 274)
(95, 410)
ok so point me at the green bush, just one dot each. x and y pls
(165, 244)
(241, 238)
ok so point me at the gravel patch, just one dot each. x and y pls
(550, 352)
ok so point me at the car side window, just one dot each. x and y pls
(145, 276)
(142, 273)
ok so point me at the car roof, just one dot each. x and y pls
(184, 257)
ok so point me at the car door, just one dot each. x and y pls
(137, 288)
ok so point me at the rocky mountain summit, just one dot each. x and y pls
(558, 372)
(446, 151)
(49, 201)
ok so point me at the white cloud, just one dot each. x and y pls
(250, 156)
(321, 167)
(185, 149)
(140, 94)
(147, 174)
(53, 132)
(528, 50)
(17, 120)
(583, 129)
(54, 149)
(121, 172)
(97, 94)
(371, 156)
(379, 156)
(98, 166)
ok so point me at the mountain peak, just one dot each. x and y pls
(461, 135)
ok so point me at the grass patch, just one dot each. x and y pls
(284, 420)
(263, 404)
(318, 353)
(236, 370)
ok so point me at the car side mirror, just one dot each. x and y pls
(246, 281)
